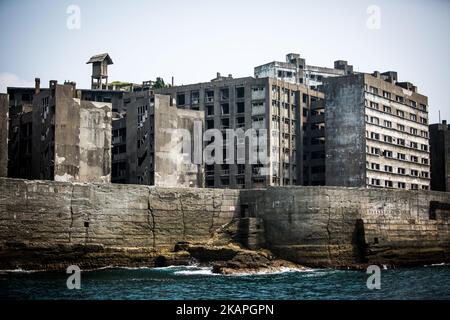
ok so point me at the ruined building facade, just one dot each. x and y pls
(440, 156)
(148, 140)
(281, 107)
(376, 132)
(295, 70)
(54, 135)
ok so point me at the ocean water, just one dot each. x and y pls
(191, 282)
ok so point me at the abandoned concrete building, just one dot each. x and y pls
(291, 113)
(440, 156)
(376, 132)
(147, 142)
(295, 70)
(54, 135)
(376, 129)
(4, 105)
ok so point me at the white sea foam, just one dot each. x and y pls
(19, 270)
(436, 264)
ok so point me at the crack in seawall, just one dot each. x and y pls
(150, 214)
(182, 216)
(328, 229)
(71, 214)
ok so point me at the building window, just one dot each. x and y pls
(414, 159)
(401, 156)
(424, 174)
(388, 184)
(387, 124)
(415, 173)
(375, 151)
(401, 142)
(240, 107)
(240, 92)
(388, 153)
(388, 139)
(373, 90)
(413, 131)
(400, 127)
(225, 107)
(224, 94)
(414, 186)
(209, 110)
(210, 124)
(376, 182)
(388, 168)
(386, 94)
(375, 166)
(209, 96)
(401, 185)
(374, 105)
(400, 113)
(374, 120)
(414, 145)
(401, 170)
(387, 109)
(375, 136)
(181, 99)
(424, 161)
(195, 97)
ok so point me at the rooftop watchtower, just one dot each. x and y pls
(99, 78)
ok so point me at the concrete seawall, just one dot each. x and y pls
(44, 224)
(333, 226)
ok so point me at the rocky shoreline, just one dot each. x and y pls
(223, 259)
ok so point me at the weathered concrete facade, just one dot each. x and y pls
(49, 223)
(295, 70)
(55, 135)
(333, 226)
(102, 224)
(440, 156)
(376, 132)
(148, 139)
(4, 106)
(20, 131)
(281, 108)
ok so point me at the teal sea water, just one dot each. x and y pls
(190, 282)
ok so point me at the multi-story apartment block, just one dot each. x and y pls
(280, 107)
(295, 70)
(54, 135)
(148, 142)
(440, 156)
(376, 132)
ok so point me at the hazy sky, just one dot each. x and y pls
(192, 40)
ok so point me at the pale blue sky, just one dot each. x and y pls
(192, 40)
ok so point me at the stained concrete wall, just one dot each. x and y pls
(71, 137)
(173, 165)
(4, 106)
(48, 213)
(333, 226)
(315, 226)
(345, 146)
(82, 139)
(440, 156)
